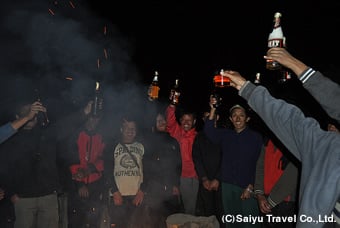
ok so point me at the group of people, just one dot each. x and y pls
(76, 175)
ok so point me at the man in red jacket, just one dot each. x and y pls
(185, 134)
(87, 170)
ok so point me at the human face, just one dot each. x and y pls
(161, 123)
(92, 123)
(187, 122)
(129, 131)
(239, 119)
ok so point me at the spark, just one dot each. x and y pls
(98, 63)
(105, 53)
(51, 11)
(72, 5)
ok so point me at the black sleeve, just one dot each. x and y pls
(197, 158)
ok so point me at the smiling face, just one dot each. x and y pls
(161, 123)
(92, 123)
(129, 131)
(187, 122)
(239, 119)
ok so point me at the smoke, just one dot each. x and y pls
(62, 48)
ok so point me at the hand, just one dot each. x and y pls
(175, 191)
(80, 174)
(83, 192)
(206, 184)
(117, 198)
(282, 56)
(214, 184)
(138, 198)
(263, 204)
(171, 95)
(88, 108)
(2, 193)
(15, 198)
(212, 102)
(34, 109)
(247, 192)
(236, 80)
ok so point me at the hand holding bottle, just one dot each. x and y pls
(236, 80)
(174, 94)
(282, 56)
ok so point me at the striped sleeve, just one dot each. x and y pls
(306, 75)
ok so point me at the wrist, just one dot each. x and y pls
(249, 190)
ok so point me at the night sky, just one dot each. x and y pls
(121, 44)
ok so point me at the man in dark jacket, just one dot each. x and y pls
(207, 159)
(34, 175)
(163, 162)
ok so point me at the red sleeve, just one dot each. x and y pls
(172, 125)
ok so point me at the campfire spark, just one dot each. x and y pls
(105, 53)
(51, 11)
(72, 5)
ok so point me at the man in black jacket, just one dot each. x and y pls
(34, 175)
(163, 162)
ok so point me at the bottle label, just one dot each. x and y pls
(221, 81)
(276, 43)
(153, 93)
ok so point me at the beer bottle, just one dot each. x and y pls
(154, 88)
(285, 75)
(98, 101)
(257, 78)
(175, 93)
(275, 39)
(42, 117)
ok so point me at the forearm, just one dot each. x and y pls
(287, 121)
(6, 131)
(16, 124)
(324, 90)
(286, 185)
(296, 66)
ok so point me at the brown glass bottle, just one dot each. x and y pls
(154, 88)
(97, 101)
(42, 117)
(275, 39)
(175, 93)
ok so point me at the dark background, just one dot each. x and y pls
(44, 42)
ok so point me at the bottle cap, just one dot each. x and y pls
(277, 14)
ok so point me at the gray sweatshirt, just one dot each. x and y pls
(318, 150)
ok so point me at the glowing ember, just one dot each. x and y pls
(69, 78)
(51, 11)
(105, 53)
(104, 30)
(72, 5)
(98, 63)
